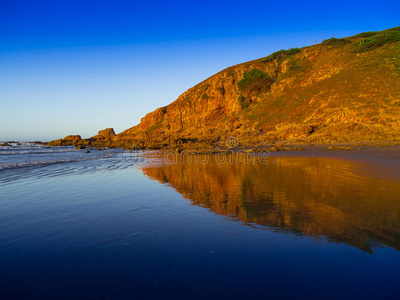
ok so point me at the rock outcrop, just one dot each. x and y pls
(103, 138)
(106, 135)
(70, 140)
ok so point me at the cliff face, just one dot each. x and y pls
(331, 92)
(207, 112)
(340, 90)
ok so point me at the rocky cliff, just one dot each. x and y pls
(341, 90)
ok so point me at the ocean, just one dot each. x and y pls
(116, 224)
(18, 155)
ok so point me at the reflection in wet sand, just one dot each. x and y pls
(317, 197)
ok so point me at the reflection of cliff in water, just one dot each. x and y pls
(311, 196)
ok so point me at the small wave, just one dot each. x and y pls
(23, 145)
(30, 151)
(49, 162)
(115, 160)
(32, 155)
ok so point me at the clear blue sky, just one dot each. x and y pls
(76, 67)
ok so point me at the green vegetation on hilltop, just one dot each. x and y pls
(376, 40)
(281, 55)
(365, 34)
(335, 42)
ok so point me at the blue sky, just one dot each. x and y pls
(76, 67)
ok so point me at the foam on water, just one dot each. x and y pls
(31, 155)
(32, 162)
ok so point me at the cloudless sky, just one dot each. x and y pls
(76, 66)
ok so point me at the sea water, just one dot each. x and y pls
(115, 224)
(17, 155)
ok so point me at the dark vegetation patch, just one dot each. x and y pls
(241, 102)
(253, 78)
(294, 65)
(205, 87)
(377, 40)
(336, 42)
(155, 126)
(281, 55)
(257, 86)
(365, 34)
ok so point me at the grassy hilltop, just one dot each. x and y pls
(342, 90)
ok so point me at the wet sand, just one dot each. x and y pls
(381, 162)
(378, 162)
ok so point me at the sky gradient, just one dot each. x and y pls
(76, 67)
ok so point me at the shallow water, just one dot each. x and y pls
(118, 227)
(22, 155)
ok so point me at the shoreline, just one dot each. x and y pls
(380, 162)
(380, 159)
